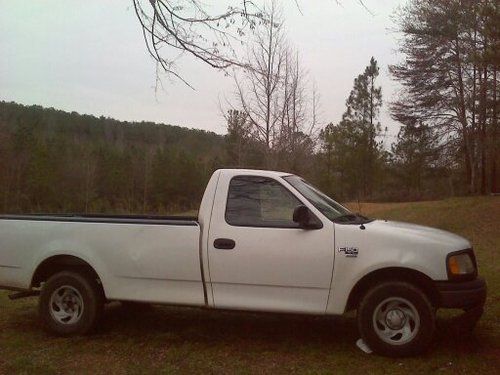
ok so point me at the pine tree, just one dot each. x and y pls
(414, 155)
(352, 144)
(449, 79)
(238, 136)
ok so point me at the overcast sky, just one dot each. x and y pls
(89, 56)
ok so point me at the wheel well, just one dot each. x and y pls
(409, 275)
(58, 263)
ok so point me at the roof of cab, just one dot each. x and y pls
(255, 172)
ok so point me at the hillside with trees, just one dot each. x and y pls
(55, 161)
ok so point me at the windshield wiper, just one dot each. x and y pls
(351, 218)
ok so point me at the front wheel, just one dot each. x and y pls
(71, 303)
(396, 319)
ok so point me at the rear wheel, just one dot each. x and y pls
(71, 303)
(396, 319)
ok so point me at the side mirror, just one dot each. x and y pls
(305, 218)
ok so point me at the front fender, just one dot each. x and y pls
(385, 245)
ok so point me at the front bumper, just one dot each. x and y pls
(465, 295)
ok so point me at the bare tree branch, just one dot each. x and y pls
(186, 26)
(172, 28)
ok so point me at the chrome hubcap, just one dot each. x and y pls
(396, 321)
(66, 305)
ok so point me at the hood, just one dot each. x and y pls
(418, 235)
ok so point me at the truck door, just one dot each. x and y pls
(259, 259)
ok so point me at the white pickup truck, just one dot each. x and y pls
(263, 241)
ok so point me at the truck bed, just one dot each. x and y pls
(137, 257)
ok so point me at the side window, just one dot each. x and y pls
(260, 202)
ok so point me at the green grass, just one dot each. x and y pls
(170, 340)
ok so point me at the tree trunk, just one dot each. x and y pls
(483, 143)
(494, 150)
(467, 160)
(468, 145)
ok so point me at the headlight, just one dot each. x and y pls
(461, 264)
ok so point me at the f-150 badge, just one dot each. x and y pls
(350, 252)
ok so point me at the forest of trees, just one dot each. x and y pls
(448, 143)
(54, 161)
(450, 82)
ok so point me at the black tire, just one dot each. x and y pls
(397, 293)
(89, 294)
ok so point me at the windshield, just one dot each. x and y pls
(326, 205)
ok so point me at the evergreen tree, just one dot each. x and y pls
(449, 77)
(238, 137)
(351, 146)
(414, 156)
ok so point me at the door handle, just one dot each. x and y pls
(224, 244)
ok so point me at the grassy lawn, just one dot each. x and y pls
(171, 340)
